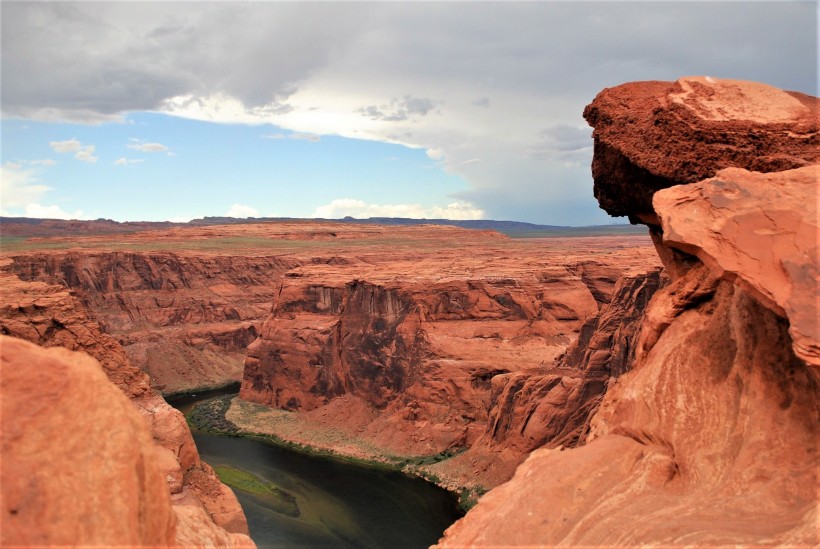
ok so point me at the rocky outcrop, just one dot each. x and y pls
(426, 347)
(79, 465)
(184, 319)
(552, 408)
(760, 232)
(653, 135)
(711, 438)
(421, 352)
(51, 316)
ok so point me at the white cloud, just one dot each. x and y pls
(435, 154)
(241, 211)
(126, 161)
(20, 163)
(360, 209)
(399, 110)
(294, 135)
(69, 145)
(467, 80)
(86, 154)
(148, 147)
(43, 162)
(183, 218)
(50, 212)
(83, 153)
(305, 137)
(19, 187)
(21, 194)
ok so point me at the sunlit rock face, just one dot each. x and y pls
(402, 336)
(183, 318)
(423, 352)
(80, 467)
(711, 438)
(425, 346)
(653, 135)
(51, 316)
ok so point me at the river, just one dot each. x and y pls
(340, 504)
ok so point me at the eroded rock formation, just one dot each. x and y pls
(415, 351)
(51, 316)
(184, 318)
(653, 135)
(79, 464)
(442, 353)
(711, 439)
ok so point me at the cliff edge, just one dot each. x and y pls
(710, 439)
(79, 464)
(51, 316)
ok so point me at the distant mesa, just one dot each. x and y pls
(30, 227)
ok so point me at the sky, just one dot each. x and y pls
(462, 110)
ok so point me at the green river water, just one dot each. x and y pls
(297, 500)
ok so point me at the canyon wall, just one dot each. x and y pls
(401, 336)
(711, 438)
(51, 316)
(183, 318)
(443, 356)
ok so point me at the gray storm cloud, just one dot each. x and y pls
(496, 88)
(399, 110)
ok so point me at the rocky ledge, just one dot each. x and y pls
(50, 316)
(711, 438)
(80, 467)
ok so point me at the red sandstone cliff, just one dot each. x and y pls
(184, 318)
(711, 439)
(79, 466)
(391, 334)
(420, 357)
(50, 316)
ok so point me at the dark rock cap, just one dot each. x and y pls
(652, 135)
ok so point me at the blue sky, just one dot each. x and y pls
(172, 168)
(177, 110)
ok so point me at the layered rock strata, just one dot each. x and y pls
(185, 319)
(50, 316)
(552, 407)
(422, 352)
(711, 439)
(426, 358)
(79, 465)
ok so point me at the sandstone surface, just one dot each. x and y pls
(79, 465)
(184, 319)
(409, 354)
(51, 316)
(445, 309)
(552, 407)
(185, 302)
(653, 135)
(760, 231)
(711, 438)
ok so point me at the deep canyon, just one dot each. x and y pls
(606, 390)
